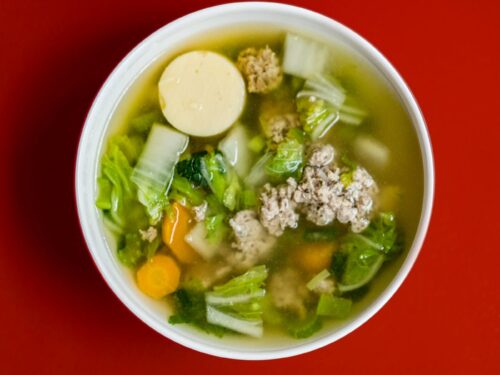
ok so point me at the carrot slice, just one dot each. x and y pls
(314, 257)
(175, 227)
(159, 276)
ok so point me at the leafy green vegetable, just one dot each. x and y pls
(361, 266)
(339, 260)
(248, 199)
(132, 250)
(305, 329)
(382, 230)
(357, 294)
(221, 178)
(155, 168)
(238, 304)
(288, 160)
(304, 57)
(104, 196)
(316, 116)
(366, 252)
(246, 284)
(333, 307)
(130, 253)
(317, 279)
(191, 169)
(143, 122)
(232, 192)
(318, 105)
(257, 175)
(182, 187)
(217, 228)
(117, 194)
(190, 308)
(346, 177)
(130, 145)
(257, 144)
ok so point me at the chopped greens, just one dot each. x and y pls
(333, 307)
(366, 252)
(190, 308)
(221, 178)
(237, 305)
(191, 169)
(288, 160)
(303, 330)
(155, 168)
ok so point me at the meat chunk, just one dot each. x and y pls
(325, 286)
(289, 292)
(279, 125)
(323, 197)
(261, 68)
(278, 208)
(321, 156)
(252, 242)
(149, 234)
(200, 212)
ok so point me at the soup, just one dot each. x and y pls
(261, 182)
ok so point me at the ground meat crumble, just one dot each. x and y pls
(278, 208)
(252, 243)
(261, 68)
(149, 234)
(289, 292)
(280, 124)
(200, 212)
(321, 196)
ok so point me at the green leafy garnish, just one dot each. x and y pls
(217, 228)
(333, 307)
(365, 252)
(288, 160)
(238, 304)
(132, 250)
(191, 169)
(305, 329)
(221, 178)
(190, 308)
(183, 188)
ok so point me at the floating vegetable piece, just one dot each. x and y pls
(159, 276)
(175, 228)
(201, 93)
(155, 168)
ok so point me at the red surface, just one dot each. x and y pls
(58, 316)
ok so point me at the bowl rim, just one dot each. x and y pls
(95, 242)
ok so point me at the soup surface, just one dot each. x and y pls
(261, 181)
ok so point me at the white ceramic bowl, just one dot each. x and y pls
(158, 44)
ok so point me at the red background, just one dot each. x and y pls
(58, 316)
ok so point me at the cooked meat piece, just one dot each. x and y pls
(200, 212)
(321, 196)
(280, 124)
(289, 292)
(252, 242)
(325, 286)
(149, 234)
(278, 209)
(321, 156)
(261, 68)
